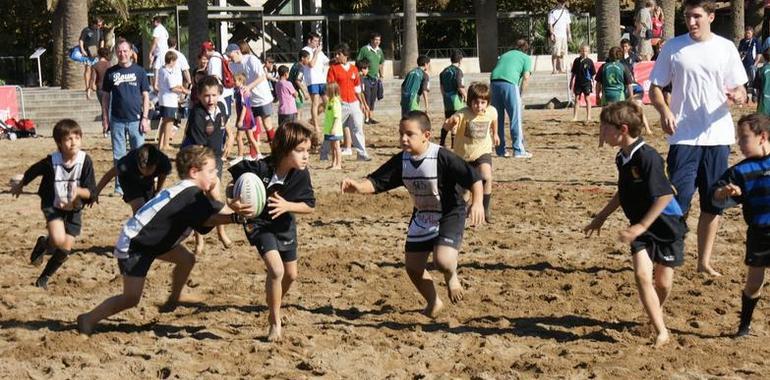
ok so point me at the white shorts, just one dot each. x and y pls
(559, 48)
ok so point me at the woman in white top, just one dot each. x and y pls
(170, 87)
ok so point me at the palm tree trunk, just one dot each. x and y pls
(409, 49)
(486, 33)
(737, 20)
(754, 12)
(57, 50)
(75, 18)
(669, 13)
(198, 21)
(607, 26)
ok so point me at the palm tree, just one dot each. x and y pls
(486, 33)
(736, 20)
(409, 49)
(57, 51)
(74, 19)
(198, 21)
(669, 13)
(607, 25)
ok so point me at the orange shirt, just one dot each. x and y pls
(349, 81)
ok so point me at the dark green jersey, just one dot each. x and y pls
(415, 83)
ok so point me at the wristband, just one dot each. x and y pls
(237, 218)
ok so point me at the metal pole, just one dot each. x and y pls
(262, 21)
(326, 24)
(588, 15)
(39, 74)
(178, 28)
(339, 30)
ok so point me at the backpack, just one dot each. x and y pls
(228, 80)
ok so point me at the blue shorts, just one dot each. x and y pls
(691, 167)
(317, 89)
(333, 138)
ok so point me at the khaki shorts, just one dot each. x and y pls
(559, 48)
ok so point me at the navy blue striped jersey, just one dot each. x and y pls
(752, 175)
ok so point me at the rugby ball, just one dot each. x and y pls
(250, 190)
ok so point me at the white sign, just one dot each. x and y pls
(37, 53)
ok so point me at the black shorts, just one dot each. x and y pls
(286, 118)
(370, 91)
(585, 89)
(757, 248)
(133, 190)
(450, 234)
(136, 265)
(267, 241)
(72, 219)
(485, 158)
(670, 254)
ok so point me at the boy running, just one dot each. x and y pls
(452, 91)
(158, 228)
(647, 198)
(68, 182)
(431, 174)
(747, 183)
(476, 127)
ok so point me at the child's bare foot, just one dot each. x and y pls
(661, 339)
(574, 119)
(433, 310)
(84, 327)
(336, 167)
(275, 333)
(707, 269)
(226, 242)
(171, 304)
(454, 289)
(199, 247)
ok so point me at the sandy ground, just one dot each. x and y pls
(541, 299)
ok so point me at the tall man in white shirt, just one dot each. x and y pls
(315, 78)
(158, 48)
(705, 72)
(559, 26)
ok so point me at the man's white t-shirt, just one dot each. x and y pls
(168, 79)
(700, 73)
(214, 68)
(252, 67)
(181, 60)
(161, 34)
(560, 20)
(317, 73)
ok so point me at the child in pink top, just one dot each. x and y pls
(286, 94)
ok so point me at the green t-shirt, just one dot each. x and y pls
(333, 117)
(375, 58)
(451, 80)
(511, 66)
(414, 83)
(614, 81)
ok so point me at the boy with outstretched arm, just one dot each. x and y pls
(747, 183)
(68, 182)
(158, 228)
(142, 173)
(657, 226)
(431, 174)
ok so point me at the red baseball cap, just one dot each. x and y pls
(206, 46)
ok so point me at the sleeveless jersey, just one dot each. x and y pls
(66, 179)
(420, 177)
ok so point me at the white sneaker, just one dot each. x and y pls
(236, 160)
(347, 152)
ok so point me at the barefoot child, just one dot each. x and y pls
(274, 232)
(431, 174)
(582, 80)
(206, 127)
(244, 121)
(475, 127)
(333, 133)
(746, 183)
(657, 227)
(137, 172)
(68, 182)
(287, 97)
(156, 230)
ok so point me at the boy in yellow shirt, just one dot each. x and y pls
(475, 127)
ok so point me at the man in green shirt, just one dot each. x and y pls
(373, 80)
(508, 82)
